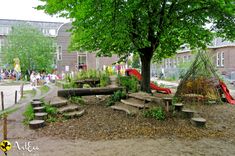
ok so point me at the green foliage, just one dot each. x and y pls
(87, 74)
(129, 82)
(28, 114)
(104, 79)
(52, 113)
(154, 28)
(44, 89)
(76, 100)
(117, 96)
(136, 61)
(34, 50)
(156, 113)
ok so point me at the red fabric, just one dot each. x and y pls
(135, 73)
(226, 93)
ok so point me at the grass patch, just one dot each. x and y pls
(52, 113)
(156, 113)
(8, 111)
(28, 114)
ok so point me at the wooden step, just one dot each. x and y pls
(59, 104)
(68, 108)
(38, 109)
(135, 103)
(40, 116)
(36, 99)
(130, 110)
(198, 122)
(35, 124)
(188, 113)
(142, 98)
(36, 103)
(178, 106)
(74, 114)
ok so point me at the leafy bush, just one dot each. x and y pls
(28, 114)
(129, 82)
(52, 113)
(117, 96)
(156, 113)
(76, 100)
(104, 79)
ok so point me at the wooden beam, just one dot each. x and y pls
(87, 91)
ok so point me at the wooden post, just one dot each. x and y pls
(16, 97)
(2, 98)
(4, 127)
(22, 90)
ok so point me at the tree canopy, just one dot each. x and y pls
(34, 50)
(149, 27)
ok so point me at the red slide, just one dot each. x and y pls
(226, 93)
(135, 73)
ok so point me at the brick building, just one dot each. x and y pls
(70, 61)
(222, 54)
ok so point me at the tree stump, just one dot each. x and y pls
(38, 109)
(198, 122)
(168, 103)
(36, 103)
(40, 116)
(187, 113)
(36, 99)
(178, 107)
(35, 124)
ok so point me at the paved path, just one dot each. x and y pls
(9, 93)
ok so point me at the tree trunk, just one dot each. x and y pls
(146, 57)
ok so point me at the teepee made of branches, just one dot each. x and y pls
(200, 83)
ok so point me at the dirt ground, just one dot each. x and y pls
(103, 131)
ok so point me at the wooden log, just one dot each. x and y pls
(198, 122)
(178, 107)
(35, 124)
(36, 103)
(168, 103)
(187, 113)
(87, 91)
(40, 116)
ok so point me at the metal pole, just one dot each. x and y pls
(16, 97)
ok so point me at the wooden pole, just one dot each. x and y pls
(16, 97)
(2, 100)
(4, 127)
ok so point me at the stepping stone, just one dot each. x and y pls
(38, 109)
(35, 124)
(36, 99)
(178, 107)
(168, 103)
(74, 114)
(36, 103)
(187, 113)
(130, 110)
(40, 116)
(135, 103)
(68, 108)
(198, 122)
(59, 104)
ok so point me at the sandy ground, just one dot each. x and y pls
(221, 121)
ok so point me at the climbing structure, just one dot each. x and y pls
(201, 82)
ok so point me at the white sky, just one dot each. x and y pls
(23, 10)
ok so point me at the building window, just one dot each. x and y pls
(222, 59)
(81, 59)
(59, 52)
(218, 59)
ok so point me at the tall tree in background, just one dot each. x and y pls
(34, 50)
(149, 27)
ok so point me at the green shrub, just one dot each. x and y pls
(104, 79)
(156, 113)
(129, 82)
(117, 96)
(76, 100)
(50, 110)
(28, 114)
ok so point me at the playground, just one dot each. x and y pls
(100, 114)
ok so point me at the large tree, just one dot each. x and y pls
(34, 50)
(148, 27)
